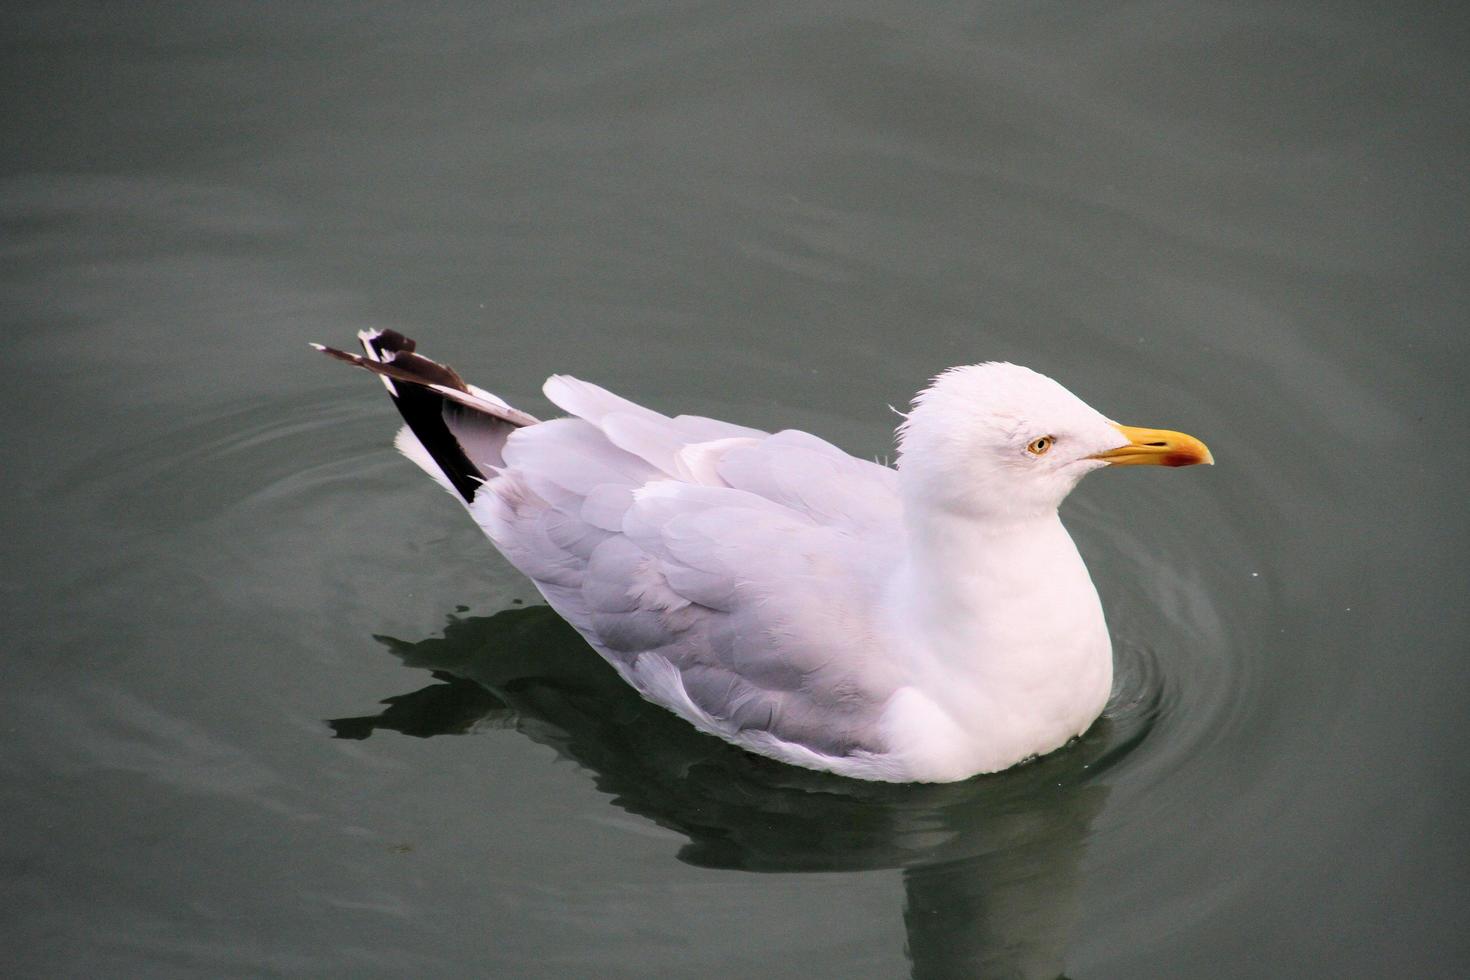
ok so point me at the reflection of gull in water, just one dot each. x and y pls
(918, 624)
(990, 866)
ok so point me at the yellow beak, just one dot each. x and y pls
(1156, 447)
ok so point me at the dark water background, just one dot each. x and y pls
(1244, 220)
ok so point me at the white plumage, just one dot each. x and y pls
(922, 623)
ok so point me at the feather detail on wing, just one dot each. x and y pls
(738, 560)
(723, 571)
(454, 431)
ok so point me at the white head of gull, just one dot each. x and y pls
(922, 623)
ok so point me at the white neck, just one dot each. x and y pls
(1007, 652)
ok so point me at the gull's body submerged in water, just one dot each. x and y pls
(922, 623)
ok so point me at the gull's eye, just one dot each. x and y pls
(1038, 447)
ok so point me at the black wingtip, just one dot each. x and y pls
(384, 341)
(410, 376)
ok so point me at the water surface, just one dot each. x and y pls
(1244, 221)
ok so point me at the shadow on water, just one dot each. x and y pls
(990, 866)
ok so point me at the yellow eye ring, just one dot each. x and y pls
(1039, 446)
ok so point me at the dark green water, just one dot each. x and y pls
(1246, 221)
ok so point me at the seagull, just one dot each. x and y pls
(924, 622)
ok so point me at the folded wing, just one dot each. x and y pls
(727, 573)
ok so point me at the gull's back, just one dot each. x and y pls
(729, 574)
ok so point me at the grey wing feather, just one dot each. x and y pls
(727, 573)
(748, 561)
